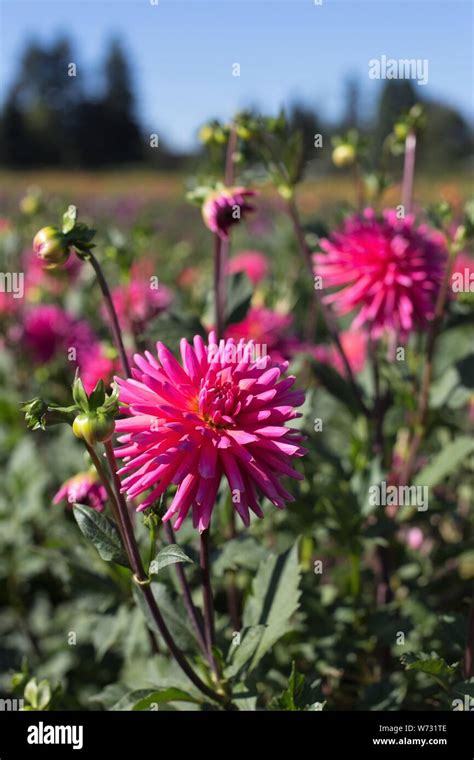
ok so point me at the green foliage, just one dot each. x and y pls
(169, 555)
(102, 533)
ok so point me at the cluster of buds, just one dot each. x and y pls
(53, 245)
(411, 122)
(92, 416)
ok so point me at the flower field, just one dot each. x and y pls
(236, 437)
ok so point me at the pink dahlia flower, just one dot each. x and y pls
(223, 208)
(253, 263)
(389, 269)
(83, 488)
(217, 416)
(140, 300)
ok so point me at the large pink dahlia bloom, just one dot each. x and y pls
(219, 415)
(389, 269)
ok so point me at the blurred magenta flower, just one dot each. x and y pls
(219, 415)
(253, 263)
(95, 364)
(226, 207)
(8, 304)
(50, 333)
(141, 299)
(40, 279)
(389, 269)
(354, 343)
(83, 488)
(46, 329)
(269, 330)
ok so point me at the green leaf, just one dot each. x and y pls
(274, 599)
(299, 695)
(146, 699)
(430, 664)
(445, 462)
(243, 649)
(102, 532)
(239, 296)
(242, 552)
(168, 556)
(69, 219)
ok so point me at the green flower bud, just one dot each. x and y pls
(93, 427)
(51, 245)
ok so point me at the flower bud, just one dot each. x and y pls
(223, 208)
(343, 155)
(93, 427)
(50, 245)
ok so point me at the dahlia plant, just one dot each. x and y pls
(177, 445)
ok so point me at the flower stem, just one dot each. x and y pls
(325, 310)
(424, 392)
(114, 323)
(219, 285)
(409, 171)
(143, 582)
(207, 591)
(186, 591)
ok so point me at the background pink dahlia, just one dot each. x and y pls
(389, 269)
(211, 418)
(83, 488)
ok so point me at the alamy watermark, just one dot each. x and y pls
(399, 68)
(384, 495)
(12, 282)
(227, 352)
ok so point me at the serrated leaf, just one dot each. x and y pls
(429, 664)
(102, 532)
(444, 463)
(168, 556)
(299, 695)
(239, 296)
(274, 599)
(145, 699)
(242, 552)
(243, 649)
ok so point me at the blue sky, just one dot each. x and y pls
(183, 50)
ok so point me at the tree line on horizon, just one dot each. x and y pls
(51, 119)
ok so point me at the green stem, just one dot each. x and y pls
(143, 581)
(109, 304)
